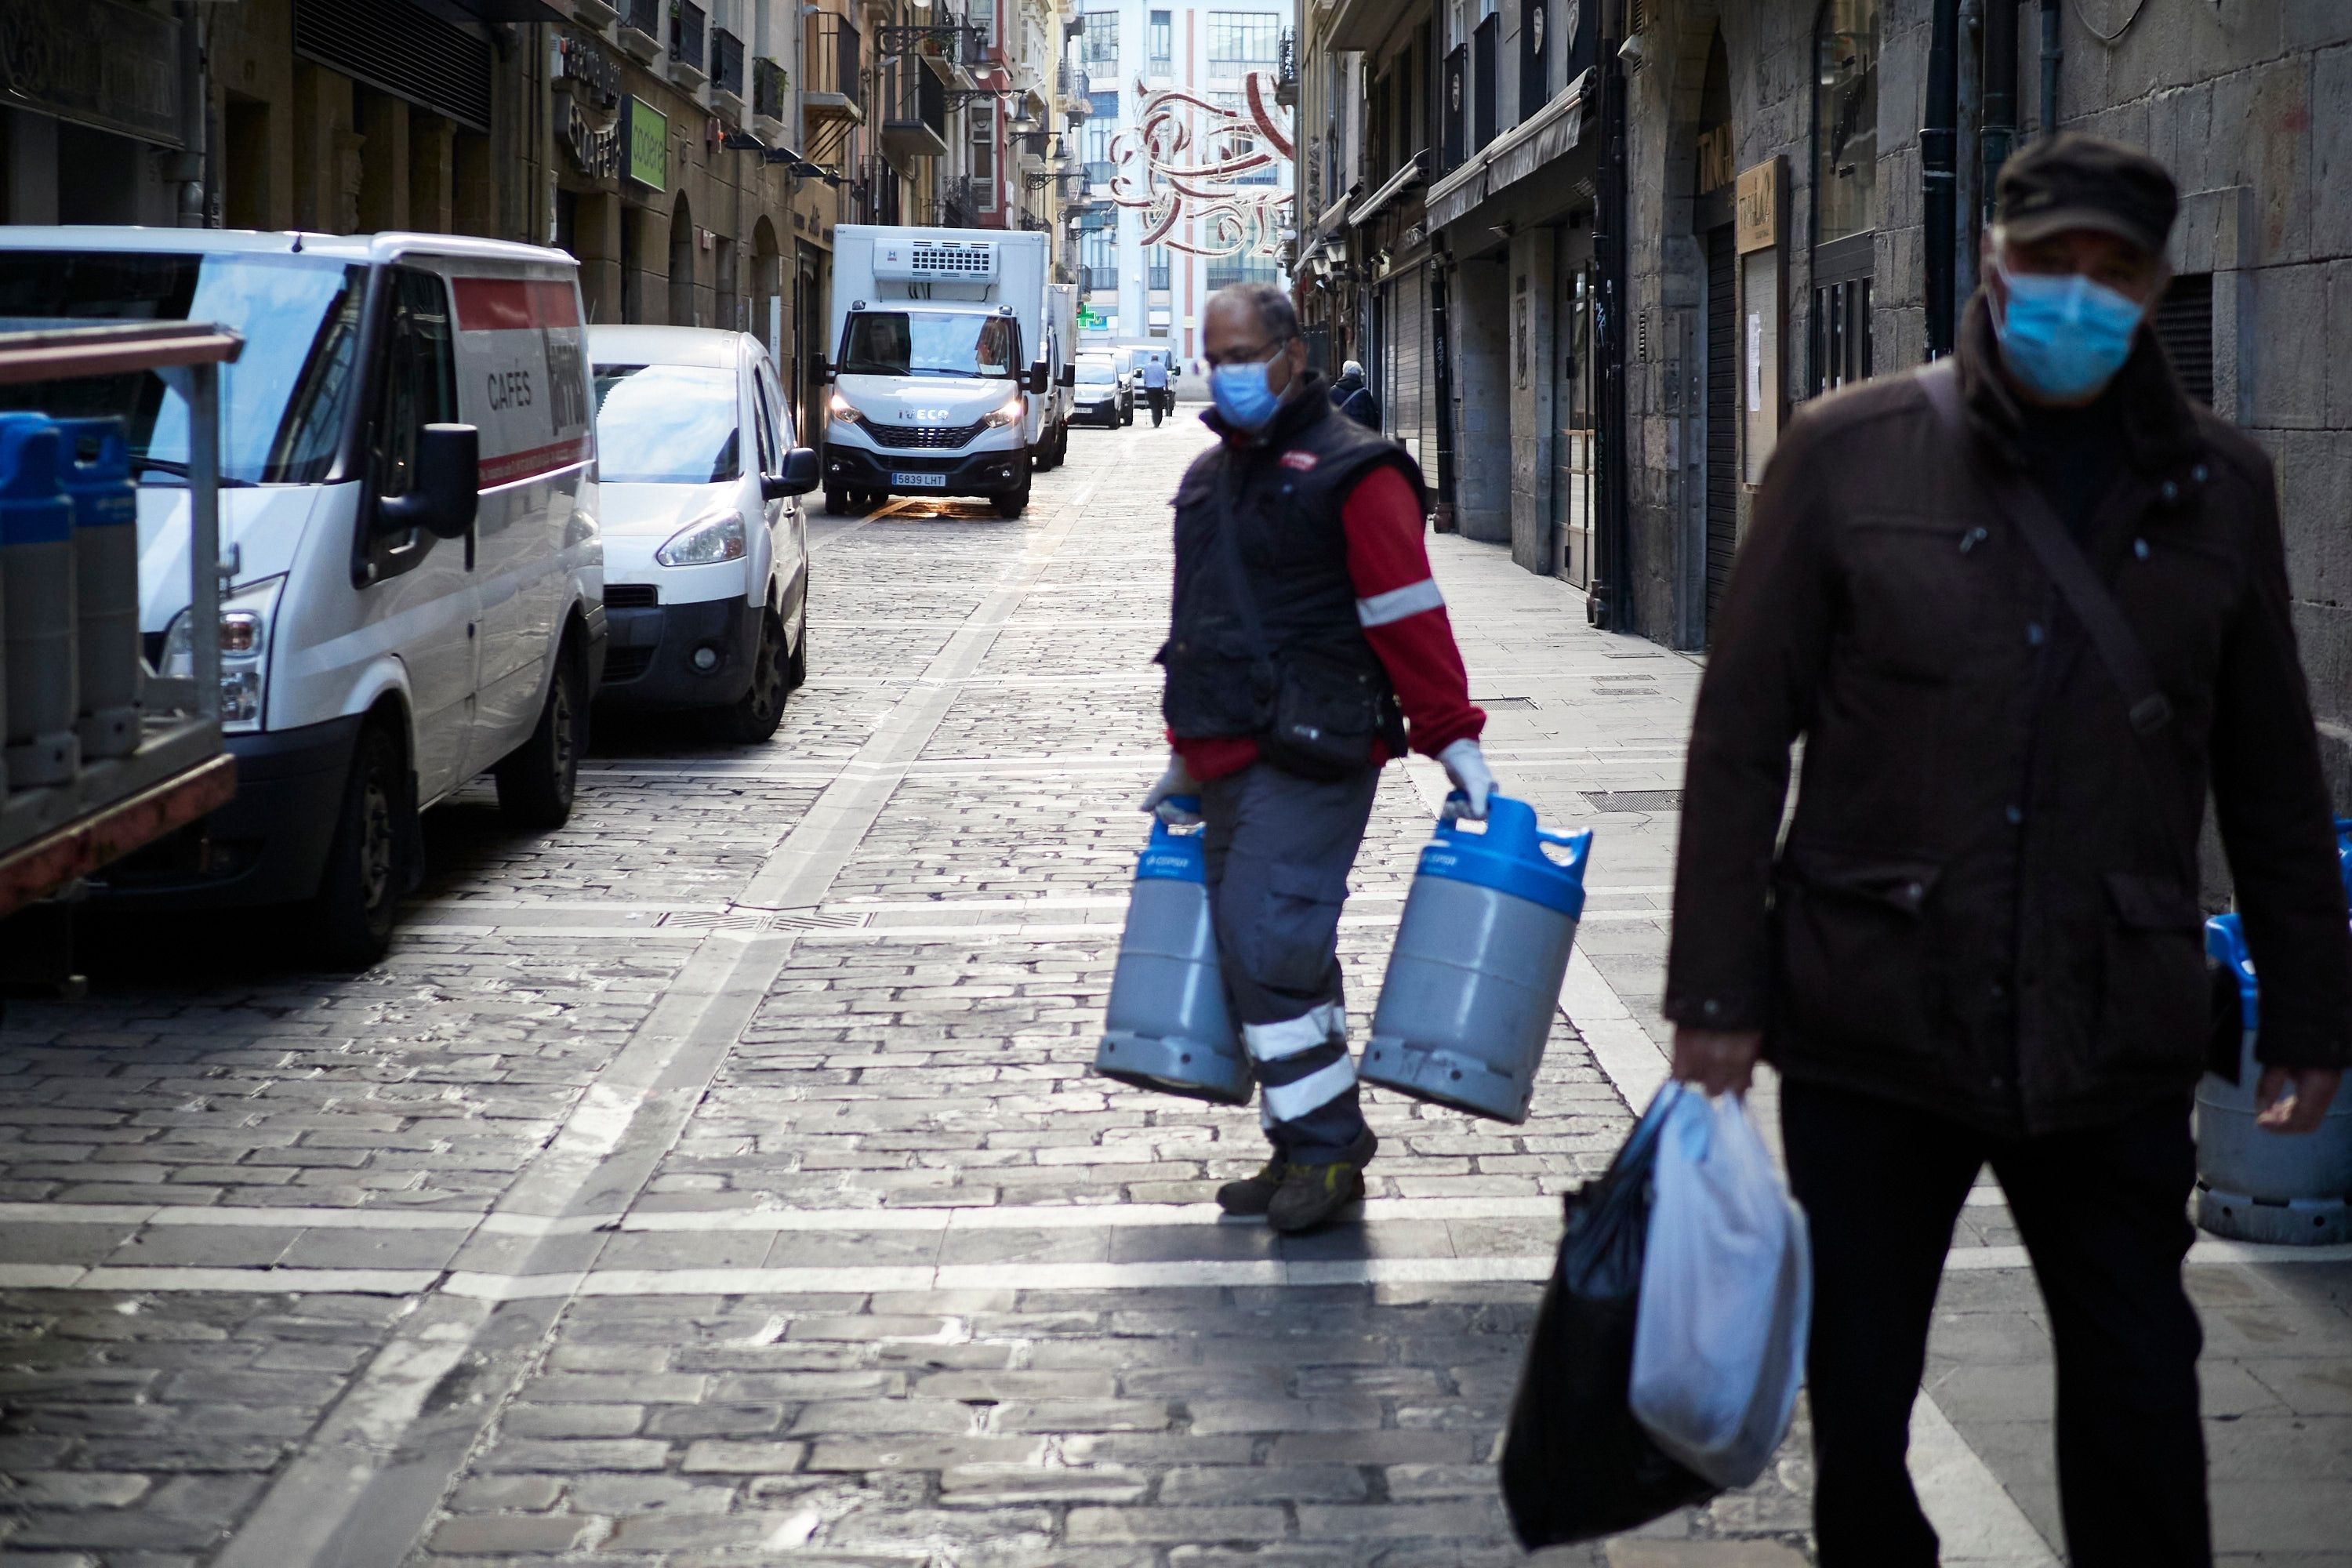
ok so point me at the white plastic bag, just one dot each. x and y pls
(1726, 1294)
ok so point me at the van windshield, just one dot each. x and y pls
(284, 400)
(930, 342)
(666, 425)
(1094, 372)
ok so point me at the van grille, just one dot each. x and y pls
(920, 437)
(631, 596)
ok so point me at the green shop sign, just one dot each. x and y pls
(648, 162)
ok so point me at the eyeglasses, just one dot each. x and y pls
(1263, 355)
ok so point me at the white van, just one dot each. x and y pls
(408, 525)
(705, 553)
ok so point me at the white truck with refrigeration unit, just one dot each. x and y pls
(948, 366)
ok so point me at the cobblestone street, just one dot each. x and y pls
(721, 1180)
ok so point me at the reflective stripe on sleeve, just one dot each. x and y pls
(1398, 602)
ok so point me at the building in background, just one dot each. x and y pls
(1188, 155)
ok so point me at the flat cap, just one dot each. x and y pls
(2072, 181)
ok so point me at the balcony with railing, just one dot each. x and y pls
(831, 57)
(727, 66)
(644, 27)
(689, 44)
(959, 204)
(914, 110)
(1072, 91)
(768, 99)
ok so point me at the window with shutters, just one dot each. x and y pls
(2184, 323)
(1845, 191)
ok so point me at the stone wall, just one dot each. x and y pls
(2251, 106)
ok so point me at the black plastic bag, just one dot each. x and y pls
(1575, 1464)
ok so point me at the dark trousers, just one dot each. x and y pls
(1279, 849)
(2102, 1212)
(1157, 396)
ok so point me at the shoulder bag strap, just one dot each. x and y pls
(2077, 582)
(2052, 545)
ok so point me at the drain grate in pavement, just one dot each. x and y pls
(704, 920)
(817, 920)
(1491, 703)
(1634, 799)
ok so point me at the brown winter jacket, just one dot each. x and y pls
(1984, 906)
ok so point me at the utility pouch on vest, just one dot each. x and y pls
(1327, 714)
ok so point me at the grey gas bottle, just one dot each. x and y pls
(36, 563)
(2253, 1185)
(1473, 983)
(1166, 1026)
(97, 474)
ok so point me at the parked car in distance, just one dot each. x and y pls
(407, 525)
(1103, 396)
(706, 551)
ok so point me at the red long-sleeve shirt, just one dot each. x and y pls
(1404, 617)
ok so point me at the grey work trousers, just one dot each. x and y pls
(1279, 848)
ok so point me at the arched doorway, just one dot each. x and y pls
(767, 296)
(682, 310)
(1714, 187)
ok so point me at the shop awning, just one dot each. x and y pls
(1403, 180)
(1551, 133)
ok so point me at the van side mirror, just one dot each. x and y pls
(1069, 376)
(827, 372)
(801, 476)
(1036, 380)
(446, 491)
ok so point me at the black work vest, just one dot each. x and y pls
(1283, 495)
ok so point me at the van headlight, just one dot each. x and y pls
(1010, 413)
(844, 410)
(245, 617)
(704, 541)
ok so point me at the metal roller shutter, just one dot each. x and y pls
(396, 47)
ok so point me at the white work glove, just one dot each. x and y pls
(1465, 764)
(1177, 780)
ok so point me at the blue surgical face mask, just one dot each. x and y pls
(2063, 335)
(1241, 395)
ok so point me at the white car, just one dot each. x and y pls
(408, 525)
(706, 551)
(1102, 395)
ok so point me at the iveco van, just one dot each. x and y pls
(409, 539)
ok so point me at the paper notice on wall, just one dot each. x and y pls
(1755, 362)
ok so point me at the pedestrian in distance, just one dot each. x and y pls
(1155, 386)
(1351, 397)
(1308, 645)
(2024, 607)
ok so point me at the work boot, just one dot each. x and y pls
(1311, 1195)
(1251, 1195)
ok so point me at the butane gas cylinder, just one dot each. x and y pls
(37, 560)
(2254, 1185)
(1474, 980)
(1166, 1026)
(106, 584)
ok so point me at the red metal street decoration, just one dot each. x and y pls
(1179, 159)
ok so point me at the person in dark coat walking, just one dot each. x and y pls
(1351, 397)
(1979, 940)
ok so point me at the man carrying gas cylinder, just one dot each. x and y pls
(1308, 642)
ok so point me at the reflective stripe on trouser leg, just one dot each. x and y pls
(1272, 1042)
(1308, 1102)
